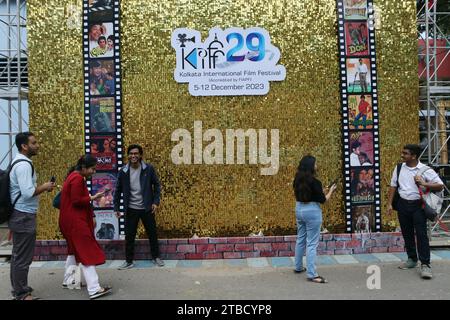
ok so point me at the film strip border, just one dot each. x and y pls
(101, 8)
(357, 204)
(103, 16)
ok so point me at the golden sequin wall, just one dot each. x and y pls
(220, 200)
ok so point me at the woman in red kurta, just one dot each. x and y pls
(76, 222)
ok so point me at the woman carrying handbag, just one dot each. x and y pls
(76, 222)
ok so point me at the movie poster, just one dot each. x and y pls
(104, 182)
(363, 219)
(358, 75)
(102, 115)
(356, 39)
(104, 149)
(355, 9)
(101, 77)
(101, 39)
(361, 149)
(107, 227)
(360, 111)
(362, 185)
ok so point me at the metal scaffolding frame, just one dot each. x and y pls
(13, 71)
(434, 93)
(434, 102)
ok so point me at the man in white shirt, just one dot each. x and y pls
(22, 223)
(362, 70)
(410, 212)
(354, 156)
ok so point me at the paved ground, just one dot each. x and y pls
(258, 278)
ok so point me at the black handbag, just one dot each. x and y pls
(395, 200)
(57, 200)
(430, 213)
(396, 197)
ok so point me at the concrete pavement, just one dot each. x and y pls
(256, 279)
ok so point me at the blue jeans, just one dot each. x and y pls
(309, 220)
(364, 118)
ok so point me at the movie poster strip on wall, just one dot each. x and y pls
(359, 102)
(103, 109)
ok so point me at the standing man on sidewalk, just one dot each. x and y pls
(139, 183)
(410, 213)
(22, 223)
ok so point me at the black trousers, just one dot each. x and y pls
(132, 217)
(412, 220)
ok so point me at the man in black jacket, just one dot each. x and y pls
(141, 190)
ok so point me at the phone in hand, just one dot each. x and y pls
(107, 190)
(53, 179)
(332, 183)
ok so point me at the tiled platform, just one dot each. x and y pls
(274, 262)
(237, 247)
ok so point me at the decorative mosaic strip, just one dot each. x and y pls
(236, 247)
(359, 101)
(103, 109)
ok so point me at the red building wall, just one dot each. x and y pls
(444, 69)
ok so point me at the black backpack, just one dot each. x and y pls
(6, 207)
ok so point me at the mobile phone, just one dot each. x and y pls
(333, 182)
(107, 189)
(53, 179)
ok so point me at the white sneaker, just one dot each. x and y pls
(158, 262)
(99, 293)
(425, 272)
(126, 265)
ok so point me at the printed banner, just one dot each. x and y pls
(104, 149)
(355, 9)
(356, 39)
(103, 109)
(104, 182)
(359, 101)
(363, 219)
(107, 226)
(229, 62)
(360, 111)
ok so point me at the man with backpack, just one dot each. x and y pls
(24, 193)
(407, 178)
